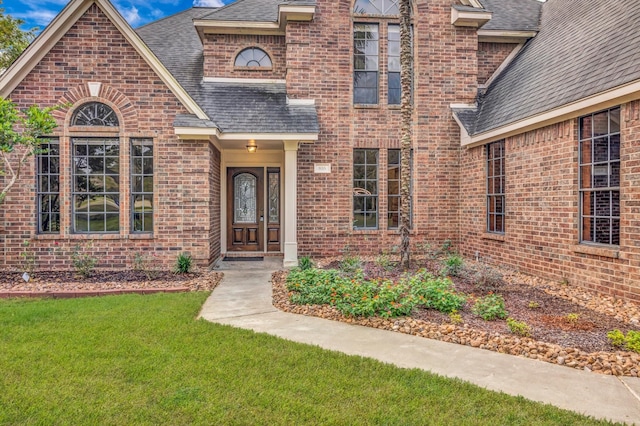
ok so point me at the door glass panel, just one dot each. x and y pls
(245, 195)
(274, 197)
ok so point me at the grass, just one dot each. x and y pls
(145, 360)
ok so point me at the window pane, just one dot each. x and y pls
(365, 201)
(600, 150)
(601, 124)
(253, 57)
(614, 147)
(96, 183)
(365, 62)
(614, 123)
(495, 187)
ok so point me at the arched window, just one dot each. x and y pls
(376, 7)
(253, 57)
(95, 114)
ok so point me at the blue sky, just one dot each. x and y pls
(38, 13)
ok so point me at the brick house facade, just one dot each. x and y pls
(311, 84)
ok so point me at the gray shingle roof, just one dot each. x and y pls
(513, 15)
(253, 10)
(247, 10)
(246, 107)
(583, 48)
(258, 108)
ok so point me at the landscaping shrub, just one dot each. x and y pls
(520, 328)
(490, 307)
(184, 263)
(452, 265)
(83, 263)
(305, 263)
(436, 293)
(355, 296)
(631, 341)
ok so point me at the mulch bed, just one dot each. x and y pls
(70, 284)
(569, 324)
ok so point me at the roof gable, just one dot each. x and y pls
(59, 27)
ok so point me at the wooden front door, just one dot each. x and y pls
(245, 209)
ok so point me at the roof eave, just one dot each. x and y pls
(59, 27)
(286, 13)
(610, 98)
(505, 36)
(465, 18)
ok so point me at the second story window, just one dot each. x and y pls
(365, 63)
(253, 57)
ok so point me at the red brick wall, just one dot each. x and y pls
(220, 51)
(214, 203)
(445, 73)
(541, 234)
(94, 51)
(490, 57)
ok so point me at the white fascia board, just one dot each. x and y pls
(34, 53)
(465, 139)
(270, 136)
(463, 18)
(151, 59)
(501, 36)
(610, 98)
(243, 80)
(238, 27)
(288, 12)
(303, 102)
(196, 132)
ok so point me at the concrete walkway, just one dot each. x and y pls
(243, 300)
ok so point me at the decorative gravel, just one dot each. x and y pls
(579, 343)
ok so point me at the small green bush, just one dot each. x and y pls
(83, 263)
(631, 341)
(184, 264)
(490, 307)
(616, 337)
(436, 293)
(520, 328)
(455, 317)
(453, 265)
(305, 263)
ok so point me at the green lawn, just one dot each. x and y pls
(146, 360)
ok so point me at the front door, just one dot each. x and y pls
(245, 209)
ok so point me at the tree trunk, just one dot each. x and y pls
(406, 109)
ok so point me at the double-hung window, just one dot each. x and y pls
(142, 185)
(365, 189)
(495, 187)
(48, 187)
(365, 63)
(599, 160)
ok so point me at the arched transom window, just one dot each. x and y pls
(253, 57)
(376, 7)
(95, 114)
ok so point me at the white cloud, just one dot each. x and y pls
(41, 17)
(131, 15)
(208, 3)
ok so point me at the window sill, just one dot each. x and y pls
(366, 106)
(147, 236)
(492, 236)
(610, 252)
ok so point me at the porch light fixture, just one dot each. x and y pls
(251, 146)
